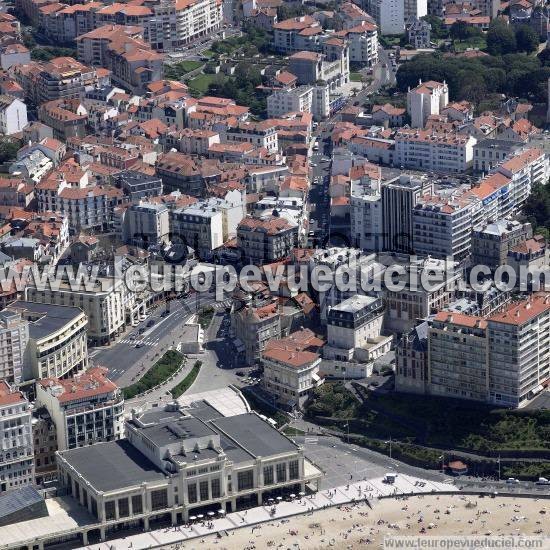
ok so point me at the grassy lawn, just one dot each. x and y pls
(200, 83)
(175, 71)
(167, 365)
(185, 384)
(390, 40)
(478, 42)
(356, 77)
(205, 317)
(207, 53)
(432, 421)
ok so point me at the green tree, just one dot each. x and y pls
(500, 38)
(527, 39)
(460, 30)
(8, 149)
(537, 208)
(438, 30)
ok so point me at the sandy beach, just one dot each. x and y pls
(358, 526)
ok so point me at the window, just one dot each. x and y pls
(137, 504)
(203, 490)
(293, 469)
(123, 508)
(110, 510)
(215, 488)
(281, 473)
(268, 475)
(159, 499)
(192, 493)
(245, 480)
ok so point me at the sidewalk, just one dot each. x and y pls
(369, 491)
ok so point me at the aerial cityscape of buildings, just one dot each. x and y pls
(231, 229)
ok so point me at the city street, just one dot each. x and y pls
(141, 346)
(339, 461)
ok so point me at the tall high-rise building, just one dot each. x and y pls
(16, 442)
(14, 336)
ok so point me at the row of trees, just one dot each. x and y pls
(517, 74)
(503, 39)
(537, 209)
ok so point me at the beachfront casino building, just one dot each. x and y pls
(178, 462)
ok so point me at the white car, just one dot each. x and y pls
(512, 481)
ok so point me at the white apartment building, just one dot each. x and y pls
(331, 66)
(146, 223)
(363, 43)
(196, 142)
(299, 33)
(415, 9)
(175, 24)
(428, 98)
(16, 441)
(261, 179)
(86, 206)
(503, 359)
(181, 462)
(293, 100)
(109, 305)
(366, 216)
(389, 15)
(354, 329)
(291, 367)
(208, 224)
(261, 134)
(504, 191)
(13, 115)
(442, 227)
(457, 356)
(57, 340)
(14, 338)
(432, 151)
(519, 351)
(86, 408)
(266, 240)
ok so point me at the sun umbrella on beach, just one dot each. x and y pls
(221, 511)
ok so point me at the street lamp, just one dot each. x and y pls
(389, 442)
(442, 458)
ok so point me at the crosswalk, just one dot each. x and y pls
(221, 305)
(143, 341)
